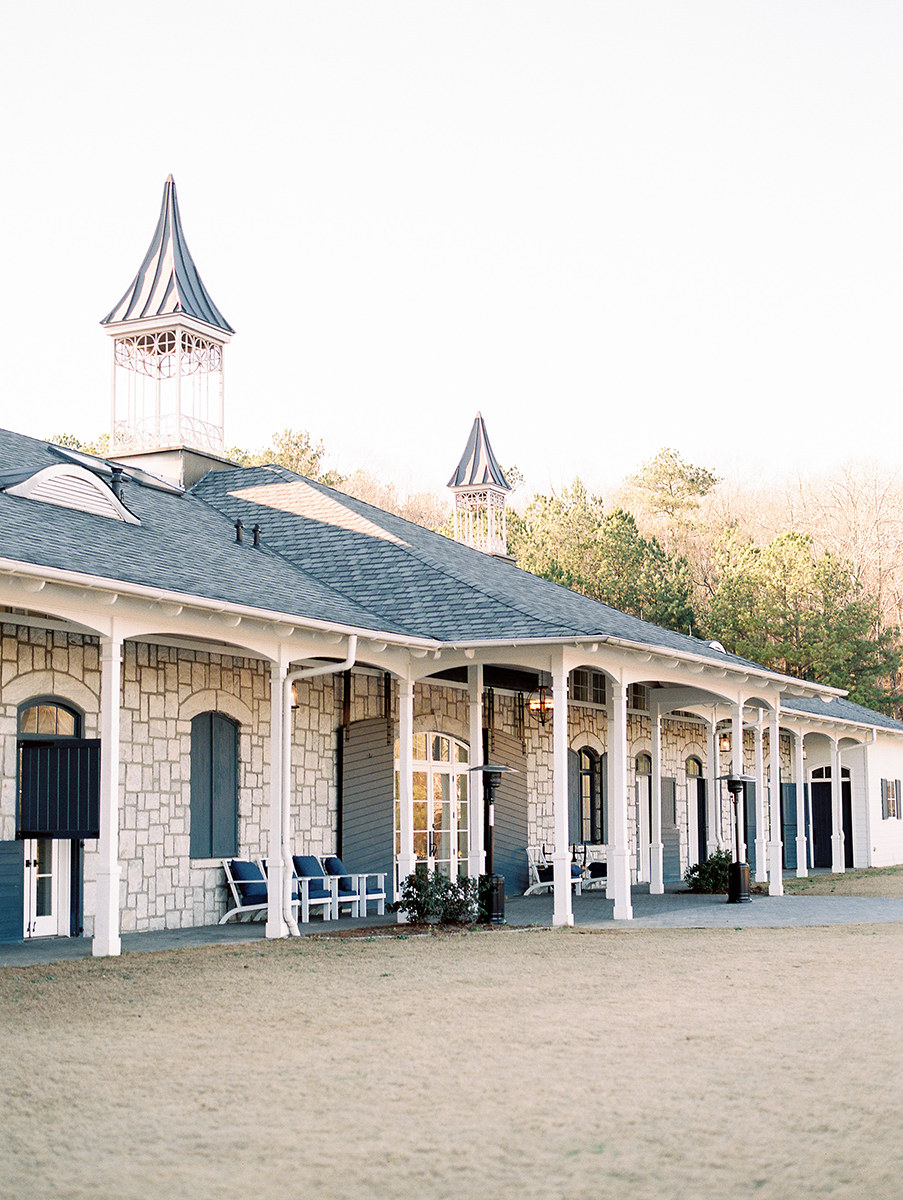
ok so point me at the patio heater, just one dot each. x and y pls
(738, 872)
(495, 890)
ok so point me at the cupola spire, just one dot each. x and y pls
(168, 338)
(481, 493)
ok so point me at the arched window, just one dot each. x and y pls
(48, 718)
(214, 786)
(643, 764)
(694, 767)
(591, 783)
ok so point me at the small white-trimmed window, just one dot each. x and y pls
(891, 800)
(588, 687)
(638, 697)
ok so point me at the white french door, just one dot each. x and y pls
(46, 887)
(441, 794)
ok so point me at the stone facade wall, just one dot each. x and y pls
(163, 688)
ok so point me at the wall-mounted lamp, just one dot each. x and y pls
(724, 743)
(294, 695)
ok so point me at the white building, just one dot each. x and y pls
(199, 661)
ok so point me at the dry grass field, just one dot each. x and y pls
(531, 1064)
(876, 881)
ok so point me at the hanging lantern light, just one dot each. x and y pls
(540, 703)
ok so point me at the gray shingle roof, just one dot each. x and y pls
(181, 544)
(840, 709)
(413, 577)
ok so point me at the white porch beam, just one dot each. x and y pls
(618, 853)
(775, 844)
(713, 821)
(276, 926)
(406, 859)
(656, 847)
(737, 766)
(837, 855)
(802, 845)
(761, 833)
(106, 940)
(563, 913)
(477, 853)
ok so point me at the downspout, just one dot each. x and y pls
(295, 677)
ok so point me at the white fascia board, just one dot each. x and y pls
(785, 682)
(138, 325)
(163, 596)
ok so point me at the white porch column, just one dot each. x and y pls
(406, 859)
(563, 913)
(476, 864)
(802, 845)
(737, 769)
(761, 831)
(276, 926)
(775, 844)
(837, 855)
(106, 940)
(618, 848)
(656, 848)
(713, 815)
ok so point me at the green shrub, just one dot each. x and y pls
(427, 896)
(711, 875)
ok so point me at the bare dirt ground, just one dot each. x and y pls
(877, 881)
(533, 1064)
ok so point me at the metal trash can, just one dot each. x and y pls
(495, 899)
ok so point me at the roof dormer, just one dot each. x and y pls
(68, 485)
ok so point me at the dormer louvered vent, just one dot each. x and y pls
(70, 486)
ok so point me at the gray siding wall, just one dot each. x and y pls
(12, 891)
(510, 833)
(670, 832)
(367, 829)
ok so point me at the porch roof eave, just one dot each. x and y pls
(787, 683)
(16, 569)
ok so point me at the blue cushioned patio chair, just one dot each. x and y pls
(247, 889)
(315, 890)
(356, 889)
(540, 872)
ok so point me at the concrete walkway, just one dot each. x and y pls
(679, 909)
(676, 909)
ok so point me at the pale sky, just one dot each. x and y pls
(610, 227)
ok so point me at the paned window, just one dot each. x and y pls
(638, 697)
(588, 687)
(591, 771)
(891, 800)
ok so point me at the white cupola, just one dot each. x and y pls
(481, 493)
(168, 338)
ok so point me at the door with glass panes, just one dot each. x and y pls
(47, 860)
(441, 801)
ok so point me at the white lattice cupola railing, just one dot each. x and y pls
(481, 493)
(168, 338)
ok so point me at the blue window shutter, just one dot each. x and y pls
(885, 811)
(788, 824)
(224, 787)
(201, 780)
(575, 821)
